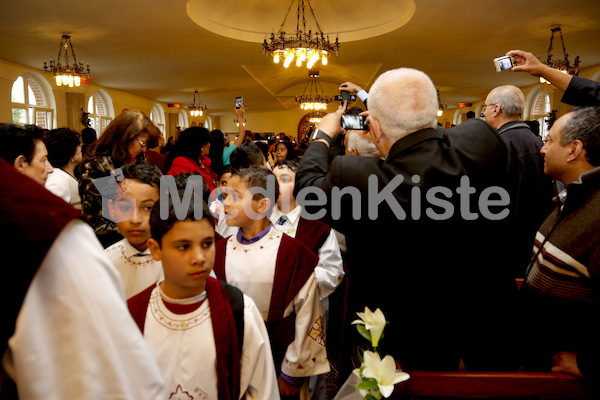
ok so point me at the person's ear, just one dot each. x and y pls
(264, 205)
(154, 247)
(111, 209)
(20, 163)
(375, 130)
(576, 150)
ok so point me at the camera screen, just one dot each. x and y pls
(356, 122)
(239, 102)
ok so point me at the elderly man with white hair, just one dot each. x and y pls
(424, 228)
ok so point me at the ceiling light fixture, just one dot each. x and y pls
(441, 106)
(68, 75)
(563, 65)
(314, 98)
(303, 46)
(196, 110)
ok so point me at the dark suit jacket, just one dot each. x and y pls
(582, 92)
(439, 281)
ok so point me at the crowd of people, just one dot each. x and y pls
(199, 267)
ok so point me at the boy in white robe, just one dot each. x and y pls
(138, 191)
(319, 237)
(277, 271)
(208, 338)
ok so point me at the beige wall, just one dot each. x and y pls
(68, 104)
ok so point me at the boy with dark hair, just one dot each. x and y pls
(277, 271)
(130, 209)
(207, 337)
(246, 155)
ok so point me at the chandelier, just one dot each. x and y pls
(196, 110)
(315, 117)
(441, 106)
(314, 98)
(302, 46)
(563, 65)
(68, 75)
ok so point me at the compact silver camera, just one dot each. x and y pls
(504, 63)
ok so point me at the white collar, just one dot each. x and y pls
(130, 251)
(293, 216)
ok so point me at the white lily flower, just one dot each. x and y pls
(374, 322)
(383, 371)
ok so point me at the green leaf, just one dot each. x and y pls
(364, 332)
(368, 384)
(370, 397)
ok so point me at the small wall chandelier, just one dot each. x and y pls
(315, 117)
(68, 75)
(441, 106)
(196, 110)
(303, 46)
(563, 65)
(314, 98)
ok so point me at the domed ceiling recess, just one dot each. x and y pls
(254, 20)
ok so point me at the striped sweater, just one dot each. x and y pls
(562, 288)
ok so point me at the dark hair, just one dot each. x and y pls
(142, 171)
(160, 227)
(117, 136)
(258, 177)
(470, 114)
(182, 179)
(19, 140)
(584, 125)
(354, 111)
(217, 137)
(291, 164)
(62, 144)
(291, 152)
(189, 144)
(246, 155)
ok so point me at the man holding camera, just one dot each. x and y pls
(438, 278)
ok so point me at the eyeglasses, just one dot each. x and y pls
(485, 106)
(143, 144)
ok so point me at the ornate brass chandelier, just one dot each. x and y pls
(314, 98)
(68, 75)
(303, 45)
(196, 110)
(563, 65)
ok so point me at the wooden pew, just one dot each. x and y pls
(494, 385)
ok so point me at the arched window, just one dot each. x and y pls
(30, 103)
(98, 109)
(208, 124)
(540, 110)
(157, 115)
(182, 120)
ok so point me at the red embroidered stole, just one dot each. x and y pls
(30, 219)
(224, 332)
(313, 233)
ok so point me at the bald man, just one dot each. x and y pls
(530, 190)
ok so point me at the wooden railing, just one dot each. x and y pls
(494, 385)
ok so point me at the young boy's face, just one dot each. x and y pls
(240, 209)
(285, 177)
(187, 252)
(132, 209)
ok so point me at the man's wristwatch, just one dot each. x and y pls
(319, 134)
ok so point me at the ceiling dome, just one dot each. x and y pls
(254, 20)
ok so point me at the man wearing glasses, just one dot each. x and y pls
(530, 190)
